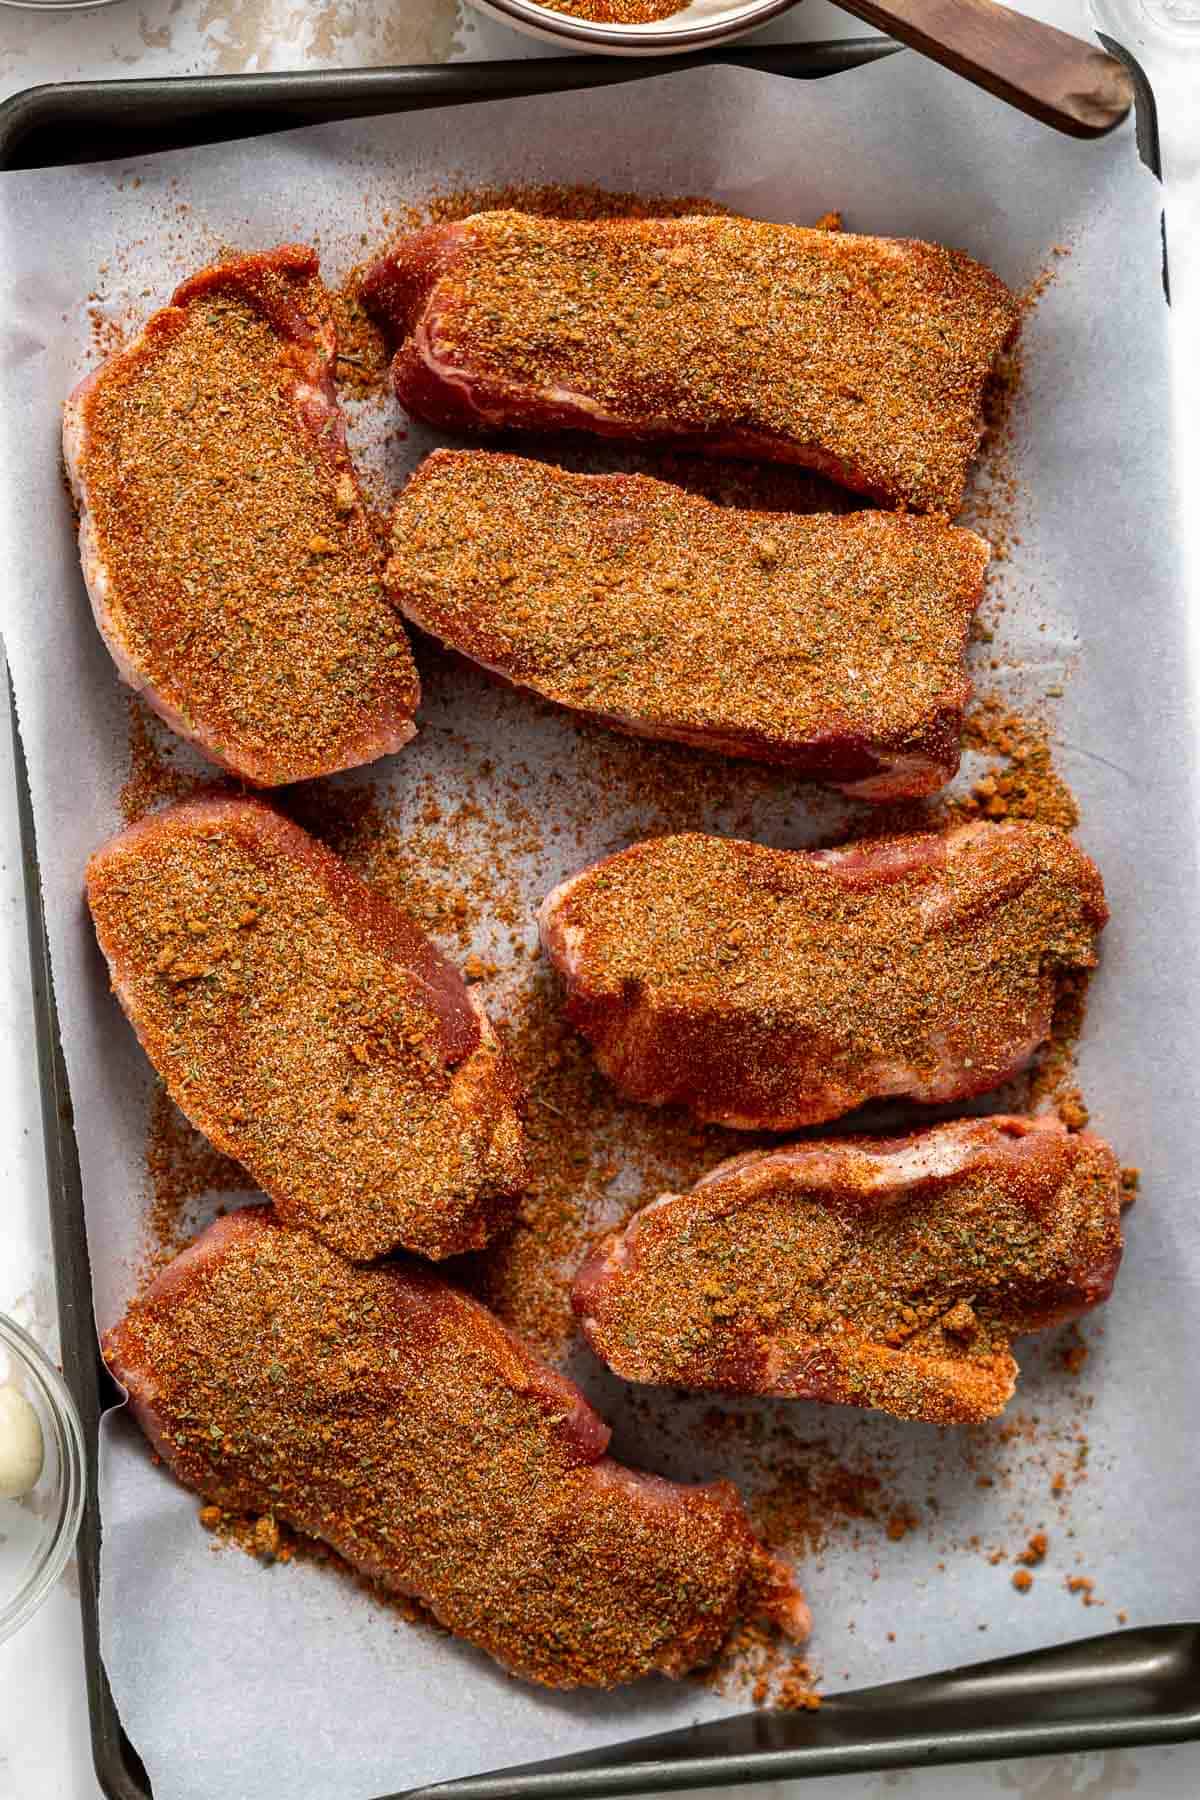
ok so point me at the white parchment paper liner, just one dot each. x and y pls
(235, 1681)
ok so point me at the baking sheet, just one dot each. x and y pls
(234, 1679)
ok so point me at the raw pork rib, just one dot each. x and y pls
(388, 1414)
(308, 1028)
(888, 1273)
(862, 357)
(769, 989)
(233, 569)
(832, 644)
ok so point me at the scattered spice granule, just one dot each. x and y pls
(1052, 1075)
(757, 1662)
(181, 1166)
(1035, 1550)
(899, 1525)
(453, 866)
(270, 1540)
(1075, 1352)
(153, 778)
(267, 1541)
(1027, 785)
(363, 355)
(1072, 1109)
(107, 336)
(1131, 1181)
(807, 1494)
(994, 497)
(1022, 1580)
(849, 964)
(1084, 1586)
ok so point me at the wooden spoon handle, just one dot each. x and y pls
(1061, 80)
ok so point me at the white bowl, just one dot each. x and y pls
(699, 25)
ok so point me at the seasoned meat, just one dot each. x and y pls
(388, 1414)
(233, 569)
(864, 358)
(307, 1027)
(769, 989)
(889, 1273)
(832, 644)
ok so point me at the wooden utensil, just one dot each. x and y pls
(1061, 80)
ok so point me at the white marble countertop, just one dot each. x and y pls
(44, 1747)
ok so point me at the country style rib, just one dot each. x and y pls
(386, 1413)
(233, 569)
(770, 989)
(308, 1028)
(833, 644)
(864, 358)
(890, 1272)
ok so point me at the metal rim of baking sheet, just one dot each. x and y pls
(1139, 1686)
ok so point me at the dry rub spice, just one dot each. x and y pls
(309, 1032)
(681, 327)
(181, 1166)
(154, 776)
(362, 350)
(1027, 785)
(1053, 1079)
(802, 1274)
(380, 1410)
(617, 12)
(825, 641)
(770, 1673)
(554, 200)
(770, 987)
(239, 583)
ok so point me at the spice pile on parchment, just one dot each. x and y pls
(772, 1100)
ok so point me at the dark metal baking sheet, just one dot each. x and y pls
(83, 121)
(1127, 1687)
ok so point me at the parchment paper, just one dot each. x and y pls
(236, 1681)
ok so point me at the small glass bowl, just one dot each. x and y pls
(37, 1532)
(57, 5)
